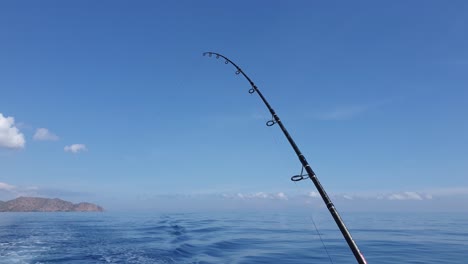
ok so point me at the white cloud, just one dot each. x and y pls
(405, 196)
(18, 190)
(428, 196)
(257, 195)
(371, 197)
(313, 194)
(75, 148)
(261, 195)
(6, 187)
(247, 196)
(393, 196)
(44, 134)
(10, 136)
(281, 196)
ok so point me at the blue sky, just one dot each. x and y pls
(112, 102)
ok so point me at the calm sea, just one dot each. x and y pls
(230, 238)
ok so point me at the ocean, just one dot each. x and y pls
(231, 238)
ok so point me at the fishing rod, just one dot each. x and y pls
(305, 165)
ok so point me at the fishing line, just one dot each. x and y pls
(316, 228)
(323, 243)
(312, 213)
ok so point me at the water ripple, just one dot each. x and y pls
(227, 238)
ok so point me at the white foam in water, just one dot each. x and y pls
(228, 238)
(22, 252)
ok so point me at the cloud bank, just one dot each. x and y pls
(377, 196)
(43, 134)
(257, 195)
(6, 187)
(10, 136)
(75, 148)
(408, 196)
(9, 191)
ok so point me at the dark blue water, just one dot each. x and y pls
(229, 238)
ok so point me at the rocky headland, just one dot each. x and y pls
(36, 204)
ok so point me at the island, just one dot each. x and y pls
(37, 204)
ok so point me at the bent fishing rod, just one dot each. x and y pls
(305, 165)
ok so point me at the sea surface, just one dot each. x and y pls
(230, 238)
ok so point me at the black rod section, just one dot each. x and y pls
(339, 222)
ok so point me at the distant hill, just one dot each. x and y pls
(36, 204)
